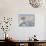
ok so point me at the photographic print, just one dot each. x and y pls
(26, 20)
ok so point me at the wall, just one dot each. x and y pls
(12, 8)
